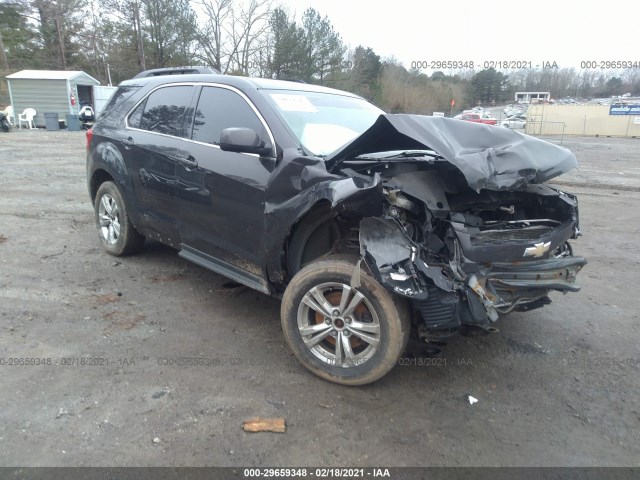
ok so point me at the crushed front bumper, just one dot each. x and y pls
(549, 274)
(448, 296)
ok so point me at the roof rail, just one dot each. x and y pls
(177, 71)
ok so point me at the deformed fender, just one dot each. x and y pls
(358, 196)
(344, 194)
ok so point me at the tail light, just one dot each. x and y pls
(89, 138)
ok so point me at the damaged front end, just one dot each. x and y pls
(452, 291)
(463, 249)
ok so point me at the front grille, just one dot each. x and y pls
(511, 235)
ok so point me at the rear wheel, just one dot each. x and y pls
(117, 235)
(350, 336)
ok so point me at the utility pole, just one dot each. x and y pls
(3, 55)
(136, 21)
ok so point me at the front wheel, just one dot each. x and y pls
(117, 235)
(342, 334)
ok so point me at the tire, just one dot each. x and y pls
(369, 323)
(117, 235)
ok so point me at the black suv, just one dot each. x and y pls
(370, 227)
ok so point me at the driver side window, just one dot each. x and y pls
(220, 108)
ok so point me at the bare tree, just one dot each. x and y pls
(233, 36)
(250, 24)
(212, 33)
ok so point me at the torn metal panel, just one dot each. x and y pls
(396, 261)
(384, 241)
(301, 182)
(435, 275)
(387, 251)
(489, 157)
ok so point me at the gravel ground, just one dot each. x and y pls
(93, 336)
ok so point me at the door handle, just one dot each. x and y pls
(129, 142)
(189, 162)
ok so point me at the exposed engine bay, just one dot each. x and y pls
(463, 257)
(469, 231)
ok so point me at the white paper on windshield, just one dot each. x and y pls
(293, 103)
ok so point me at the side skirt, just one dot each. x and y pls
(224, 268)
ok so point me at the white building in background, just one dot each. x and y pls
(532, 97)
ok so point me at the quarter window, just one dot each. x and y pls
(136, 115)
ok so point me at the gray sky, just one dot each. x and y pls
(564, 31)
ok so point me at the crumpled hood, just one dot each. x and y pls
(489, 157)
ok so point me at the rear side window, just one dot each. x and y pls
(164, 111)
(220, 108)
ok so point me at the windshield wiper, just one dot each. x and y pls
(405, 154)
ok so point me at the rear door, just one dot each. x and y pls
(221, 194)
(153, 130)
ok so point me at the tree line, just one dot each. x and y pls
(115, 39)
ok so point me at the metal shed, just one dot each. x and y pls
(50, 91)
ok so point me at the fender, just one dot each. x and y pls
(311, 184)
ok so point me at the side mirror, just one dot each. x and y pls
(242, 140)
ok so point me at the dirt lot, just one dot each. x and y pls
(556, 386)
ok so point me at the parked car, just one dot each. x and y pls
(371, 227)
(511, 111)
(479, 118)
(514, 122)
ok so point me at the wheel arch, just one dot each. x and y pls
(311, 236)
(98, 177)
(101, 175)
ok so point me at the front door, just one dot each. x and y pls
(221, 194)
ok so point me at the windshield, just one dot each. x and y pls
(323, 122)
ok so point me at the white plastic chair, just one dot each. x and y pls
(10, 115)
(27, 116)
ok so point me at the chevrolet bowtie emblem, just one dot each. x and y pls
(537, 250)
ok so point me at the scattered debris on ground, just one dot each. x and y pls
(253, 425)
